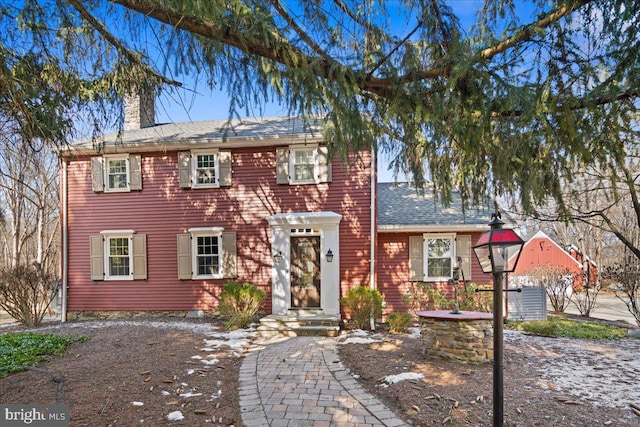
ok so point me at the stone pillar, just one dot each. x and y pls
(469, 341)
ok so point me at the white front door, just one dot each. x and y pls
(302, 277)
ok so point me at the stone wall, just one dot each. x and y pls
(469, 341)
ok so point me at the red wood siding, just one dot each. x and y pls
(162, 210)
(393, 269)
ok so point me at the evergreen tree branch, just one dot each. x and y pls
(115, 42)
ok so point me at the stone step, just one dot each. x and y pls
(296, 325)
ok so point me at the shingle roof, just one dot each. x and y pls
(400, 206)
(249, 129)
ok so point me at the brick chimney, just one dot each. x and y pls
(139, 110)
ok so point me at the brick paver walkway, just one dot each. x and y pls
(297, 382)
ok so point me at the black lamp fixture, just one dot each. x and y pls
(492, 250)
(277, 257)
(329, 256)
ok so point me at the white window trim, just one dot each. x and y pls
(106, 159)
(292, 150)
(194, 166)
(201, 232)
(111, 234)
(426, 237)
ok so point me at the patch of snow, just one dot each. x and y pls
(392, 379)
(191, 371)
(175, 416)
(137, 403)
(359, 340)
(190, 394)
(603, 374)
(196, 357)
(414, 332)
(165, 393)
(209, 362)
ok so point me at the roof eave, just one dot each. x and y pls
(111, 147)
(398, 228)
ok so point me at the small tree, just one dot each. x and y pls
(240, 302)
(361, 303)
(558, 284)
(26, 293)
(422, 296)
(586, 295)
(625, 278)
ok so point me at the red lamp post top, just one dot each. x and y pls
(494, 247)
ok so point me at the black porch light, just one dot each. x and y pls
(492, 250)
(329, 255)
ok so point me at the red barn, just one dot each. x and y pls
(541, 251)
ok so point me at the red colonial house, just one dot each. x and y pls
(159, 217)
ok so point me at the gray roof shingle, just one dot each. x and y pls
(401, 206)
(249, 129)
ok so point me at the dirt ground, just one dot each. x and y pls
(128, 374)
(138, 373)
(547, 382)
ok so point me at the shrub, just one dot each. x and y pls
(360, 303)
(399, 322)
(240, 302)
(422, 296)
(558, 327)
(472, 300)
(26, 293)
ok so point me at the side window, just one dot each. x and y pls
(116, 173)
(439, 253)
(118, 255)
(204, 169)
(302, 164)
(207, 253)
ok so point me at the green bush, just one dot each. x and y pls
(422, 296)
(240, 302)
(399, 322)
(472, 300)
(360, 303)
(558, 327)
(19, 350)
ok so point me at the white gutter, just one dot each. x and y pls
(432, 228)
(372, 262)
(65, 240)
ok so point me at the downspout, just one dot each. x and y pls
(65, 239)
(372, 261)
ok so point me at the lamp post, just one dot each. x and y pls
(492, 250)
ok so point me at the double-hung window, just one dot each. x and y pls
(205, 169)
(209, 168)
(207, 252)
(118, 255)
(303, 164)
(439, 255)
(116, 173)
